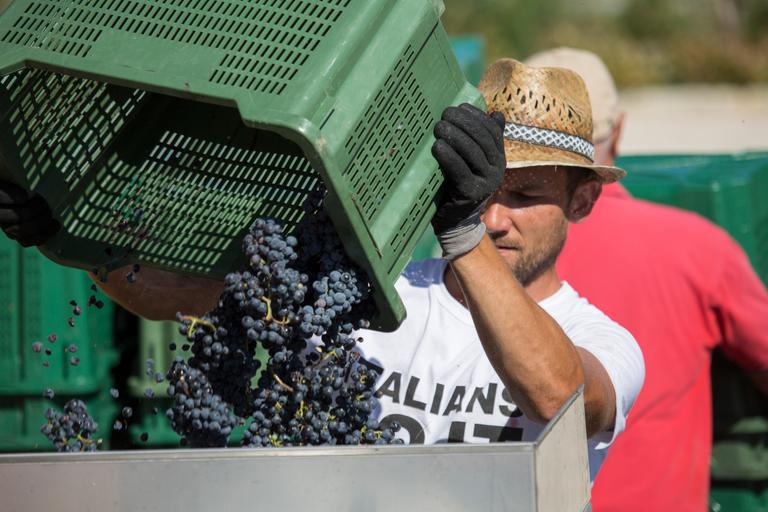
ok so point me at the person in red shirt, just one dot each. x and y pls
(683, 287)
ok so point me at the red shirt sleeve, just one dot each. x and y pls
(740, 304)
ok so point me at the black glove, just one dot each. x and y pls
(470, 151)
(28, 220)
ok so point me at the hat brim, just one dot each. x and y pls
(523, 154)
(607, 174)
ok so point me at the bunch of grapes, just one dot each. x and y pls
(202, 415)
(72, 429)
(301, 299)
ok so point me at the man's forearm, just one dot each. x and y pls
(159, 294)
(532, 355)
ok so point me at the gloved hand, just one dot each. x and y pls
(470, 151)
(28, 220)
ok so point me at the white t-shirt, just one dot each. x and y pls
(437, 382)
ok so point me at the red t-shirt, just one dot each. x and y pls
(682, 287)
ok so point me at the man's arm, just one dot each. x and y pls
(159, 294)
(536, 361)
(538, 364)
(740, 303)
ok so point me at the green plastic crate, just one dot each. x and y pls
(34, 302)
(154, 340)
(21, 418)
(746, 497)
(470, 53)
(156, 426)
(745, 456)
(740, 417)
(729, 190)
(159, 129)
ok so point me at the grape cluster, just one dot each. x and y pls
(301, 300)
(223, 352)
(72, 429)
(320, 396)
(200, 414)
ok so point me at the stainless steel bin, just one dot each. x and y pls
(548, 475)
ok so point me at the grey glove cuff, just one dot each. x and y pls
(464, 237)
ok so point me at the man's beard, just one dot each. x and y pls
(534, 262)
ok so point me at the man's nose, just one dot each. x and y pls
(495, 218)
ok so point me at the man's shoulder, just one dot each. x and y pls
(568, 303)
(661, 217)
(589, 328)
(577, 316)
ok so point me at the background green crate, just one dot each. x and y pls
(34, 302)
(742, 454)
(740, 436)
(744, 497)
(101, 124)
(154, 340)
(157, 426)
(469, 50)
(22, 416)
(729, 190)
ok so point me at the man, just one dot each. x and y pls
(682, 286)
(494, 343)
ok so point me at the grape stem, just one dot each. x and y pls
(269, 317)
(87, 441)
(195, 321)
(283, 384)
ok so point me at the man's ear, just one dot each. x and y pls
(583, 200)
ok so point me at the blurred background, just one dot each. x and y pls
(693, 79)
(686, 68)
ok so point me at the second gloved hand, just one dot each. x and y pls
(470, 151)
(28, 220)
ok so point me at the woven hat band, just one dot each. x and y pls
(549, 138)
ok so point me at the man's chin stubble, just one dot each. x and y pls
(526, 270)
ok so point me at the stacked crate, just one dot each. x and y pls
(155, 339)
(35, 296)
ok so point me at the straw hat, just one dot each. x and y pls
(603, 96)
(548, 117)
